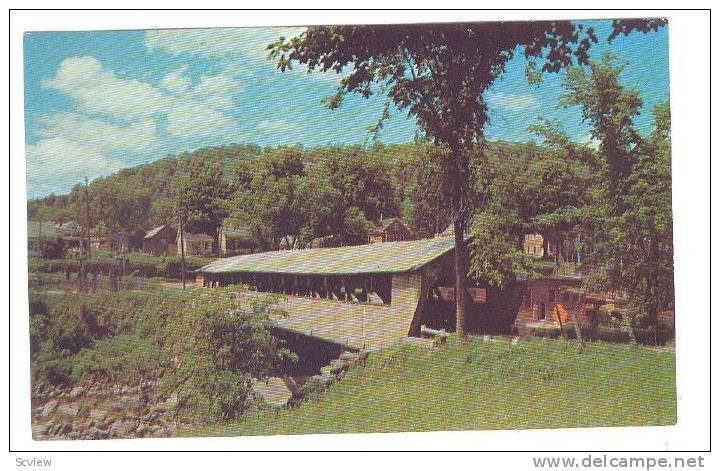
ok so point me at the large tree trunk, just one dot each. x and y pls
(461, 265)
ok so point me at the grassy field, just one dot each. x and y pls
(485, 385)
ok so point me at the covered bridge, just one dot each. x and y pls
(363, 295)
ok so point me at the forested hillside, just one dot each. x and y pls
(379, 182)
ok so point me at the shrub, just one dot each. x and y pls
(222, 344)
(125, 358)
(138, 264)
(205, 345)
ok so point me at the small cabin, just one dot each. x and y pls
(390, 230)
(236, 240)
(195, 244)
(160, 241)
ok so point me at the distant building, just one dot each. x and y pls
(236, 240)
(534, 245)
(553, 300)
(37, 231)
(195, 244)
(160, 241)
(322, 242)
(390, 230)
(124, 241)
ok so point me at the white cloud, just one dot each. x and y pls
(176, 81)
(279, 125)
(218, 43)
(58, 163)
(216, 91)
(100, 91)
(98, 134)
(193, 120)
(511, 101)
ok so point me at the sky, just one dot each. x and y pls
(99, 101)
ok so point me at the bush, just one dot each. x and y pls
(604, 333)
(125, 358)
(52, 248)
(207, 345)
(223, 343)
(139, 264)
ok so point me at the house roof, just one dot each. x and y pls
(188, 237)
(153, 232)
(48, 229)
(388, 257)
(385, 223)
(238, 231)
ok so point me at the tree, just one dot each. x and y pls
(634, 239)
(270, 198)
(528, 189)
(427, 195)
(201, 196)
(438, 74)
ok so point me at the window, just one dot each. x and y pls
(528, 298)
(541, 311)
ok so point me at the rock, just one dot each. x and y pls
(172, 400)
(98, 415)
(486, 338)
(66, 428)
(95, 433)
(157, 408)
(73, 435)
(130, 402)
(40, 430)
(67, 410)
(77, 392)
(349, 356)
(49, 407)
(121, 429)
(141, 428)
(325, 380)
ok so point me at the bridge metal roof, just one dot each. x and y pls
(388, 257)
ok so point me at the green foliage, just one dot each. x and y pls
(201, 197)
(336, 193)
(633, 244)
(222, 344)
(205, 345)
(52, 248)
(122, 358)
(529, 189)
(135, 264)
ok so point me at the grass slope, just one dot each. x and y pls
(485, 385)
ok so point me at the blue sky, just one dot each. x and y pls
(96, 102)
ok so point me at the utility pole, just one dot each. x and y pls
(181, 224)
(39, 240)
(87, 217)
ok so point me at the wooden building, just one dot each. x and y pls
(38, 233)
(405, 279)
(390, 230)
(554, 300)
(534, 245)
(160, 241)
(236, 240)
(195, 244)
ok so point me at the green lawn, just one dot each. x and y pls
(485, 385)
